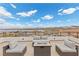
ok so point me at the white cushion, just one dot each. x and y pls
(12, 44)
(17, 49)
(36, 38)
(70, 44)
(64, 48)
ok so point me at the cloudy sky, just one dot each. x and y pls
(21, 15)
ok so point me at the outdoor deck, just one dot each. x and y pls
(30, 49)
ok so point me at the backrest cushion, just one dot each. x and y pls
(12, 44)
(70, 44)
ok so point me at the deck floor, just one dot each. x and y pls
(30, 48)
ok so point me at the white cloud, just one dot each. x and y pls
(13, 5)
(60, 10)
(29, 13)
(60, 14)
(4, 12)
(41, 25)
(36, 21)
(44, 25)
(67, 11)
(2, 21)
(47, 17)
(17, 18)
(29, 25)
(22, 14)
(77, 8)
(7, 25)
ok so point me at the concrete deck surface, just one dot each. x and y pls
(30, 49)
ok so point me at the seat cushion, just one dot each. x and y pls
(17, 49)
(64, 48)
(69, 43)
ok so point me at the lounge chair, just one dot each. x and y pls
(18, 50)
(67, 49)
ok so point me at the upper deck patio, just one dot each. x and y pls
(28, 41)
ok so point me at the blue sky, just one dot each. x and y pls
(24, 15)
